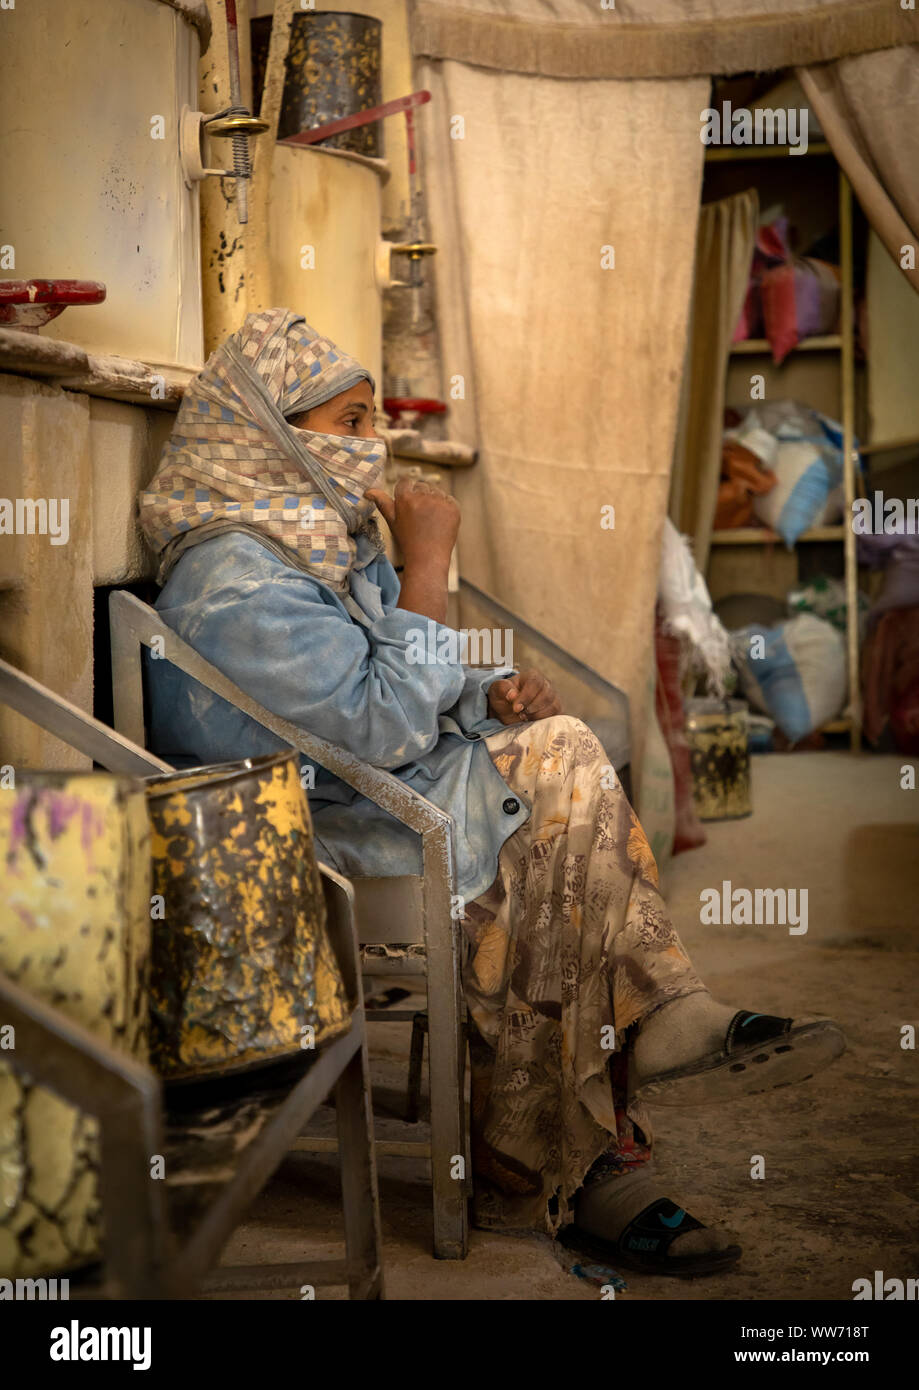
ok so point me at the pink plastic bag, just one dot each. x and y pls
(788, 297)
(799, 300)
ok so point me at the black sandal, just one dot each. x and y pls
(645, 1241)
(760, 1053)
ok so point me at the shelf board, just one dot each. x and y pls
(719, 154)
(764, 535)
(890, 445)
(826, 342)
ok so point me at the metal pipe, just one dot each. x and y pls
(242, 168)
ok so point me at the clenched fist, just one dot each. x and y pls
(525, 697)
(423, 519)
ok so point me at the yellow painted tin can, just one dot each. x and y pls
(242, 970)
(75, 931)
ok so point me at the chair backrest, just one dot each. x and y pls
(135, 624)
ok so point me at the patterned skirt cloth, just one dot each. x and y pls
(569, 949)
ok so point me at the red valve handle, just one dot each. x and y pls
(51, 292)
(395, 405)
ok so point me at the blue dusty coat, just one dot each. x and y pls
(288, 640)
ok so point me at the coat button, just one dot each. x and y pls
(511, 806)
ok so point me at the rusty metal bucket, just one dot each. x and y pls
(242, 971)
(74, 931)
(717, 732)
(333, 69)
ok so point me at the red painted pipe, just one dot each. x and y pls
(357, 118)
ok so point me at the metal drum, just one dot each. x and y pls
(74, 931)
(91, 183)
(332, 202)
(717, 733)
(242, 971)
(332, 70)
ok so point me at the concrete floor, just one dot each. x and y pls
(840, 1197)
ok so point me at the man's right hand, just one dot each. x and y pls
(424, 522)
(423, 519)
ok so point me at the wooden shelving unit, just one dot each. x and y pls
(849, 456)
(842, 343)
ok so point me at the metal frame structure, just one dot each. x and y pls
(142, 1259)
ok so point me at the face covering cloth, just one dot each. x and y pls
(234, 463)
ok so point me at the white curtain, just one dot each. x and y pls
(724, 252)
(566, 217)
(868, 107)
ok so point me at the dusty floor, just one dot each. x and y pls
(840, 1198)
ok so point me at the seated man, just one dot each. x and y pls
(583, 1002)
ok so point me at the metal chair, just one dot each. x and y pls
(413, 908)
(410, 911)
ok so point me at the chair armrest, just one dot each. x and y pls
(134, 623)
(74, 726)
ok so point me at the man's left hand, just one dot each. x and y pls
(524, 697)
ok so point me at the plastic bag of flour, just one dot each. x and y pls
(804, 450)
(796, 672)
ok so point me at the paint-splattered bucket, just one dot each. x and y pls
(242, 970)
(332, 70)
(75, 932)
(717, 733)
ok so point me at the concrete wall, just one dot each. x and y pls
(46, 620)
(95, 454)
(125, 444)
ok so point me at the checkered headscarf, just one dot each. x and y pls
(234, 463)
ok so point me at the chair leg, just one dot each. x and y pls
(415, 1061)
(464, 1046)
(448, 1121)
(360, 1200)
(445, 1041)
